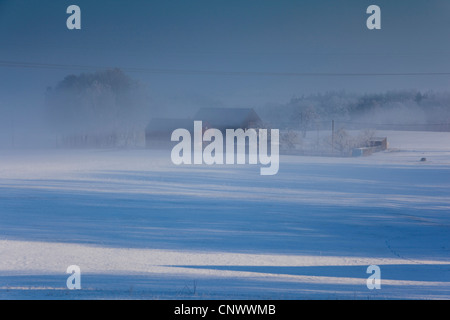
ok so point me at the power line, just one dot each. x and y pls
(394, 124)
(33, 65)
(372, 124)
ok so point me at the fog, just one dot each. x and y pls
(22, 126)
(111, 109)
(285, 59)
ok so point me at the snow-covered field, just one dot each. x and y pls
(140, 227)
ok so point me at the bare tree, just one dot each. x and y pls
(305, 117)
(102, 108)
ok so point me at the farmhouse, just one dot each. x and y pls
(220, 148)
(378, 143)
(373, 145)
(228, 118)
(159, 130)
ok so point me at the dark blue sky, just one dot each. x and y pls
(226, 36)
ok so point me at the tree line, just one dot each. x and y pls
(393, 108)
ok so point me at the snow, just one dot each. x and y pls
(140, 227)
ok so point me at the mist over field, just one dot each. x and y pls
(241, 54)
(110, 102)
